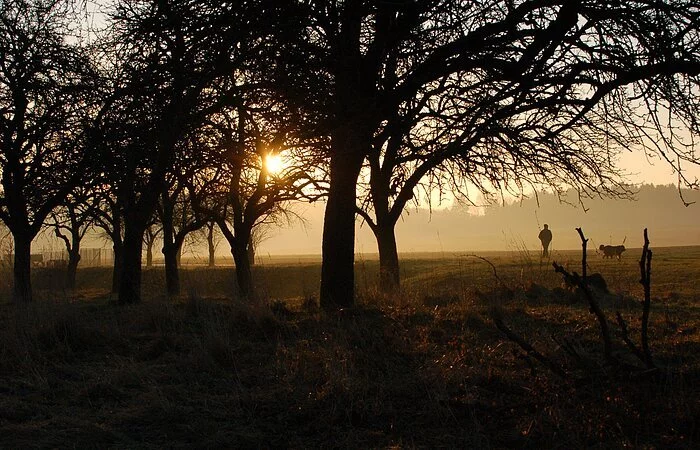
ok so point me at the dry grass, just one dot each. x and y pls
(424, 369)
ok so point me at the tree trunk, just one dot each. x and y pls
(172, 273)
(118, 250)
(251, 254)
(149, 253)
(72, 269)
(212, 249)
(389, 278)
(130, 282)
(337, 269)
(22, 289)
(244, 275)
(170, 249)
(239, 241)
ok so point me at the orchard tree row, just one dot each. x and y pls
(173, 111)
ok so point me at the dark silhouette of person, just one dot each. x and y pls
(545, 237)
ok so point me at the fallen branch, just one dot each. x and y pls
(529, 349)
(587, 285)
(594, 307)
(625, 337)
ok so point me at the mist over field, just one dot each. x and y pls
(516, 225)
(460, 228)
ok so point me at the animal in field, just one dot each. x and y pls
(610, 251)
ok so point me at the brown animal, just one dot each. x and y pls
(610, 251)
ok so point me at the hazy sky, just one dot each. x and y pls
(654, 171)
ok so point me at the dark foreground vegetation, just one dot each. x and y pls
(425, 369)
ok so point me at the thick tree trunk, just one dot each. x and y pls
(172, 273)
(244, 275)
(22, 289)
(170, 249)
(72, 269)
(130, 283)
(118, 250)
(389, 278)
(337, 270)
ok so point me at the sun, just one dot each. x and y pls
(274, 164)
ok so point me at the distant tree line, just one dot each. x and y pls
(167, 117)
(515, 223)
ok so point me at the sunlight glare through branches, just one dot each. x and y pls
(275, 164)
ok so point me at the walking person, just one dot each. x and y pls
(545, 237)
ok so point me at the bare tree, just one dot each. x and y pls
(179, 216)
(6, 249)
(213, 239)
(168, 55)
(45, 101)
(70, 222)
(149, 239)
(247, 192)
(554, 76)
(108, 215)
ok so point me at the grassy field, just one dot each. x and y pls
(424, 369)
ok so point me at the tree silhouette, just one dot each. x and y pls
(179, 212)
(108, 215)
(168, 54)
(212, 242)
(46, 80)
(149, 239)
(246, 193)
(532, 86)
(70, 222)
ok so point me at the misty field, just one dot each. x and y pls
(427, 368)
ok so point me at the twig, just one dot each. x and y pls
(495, 273)
(529, 349)
(593, 303)
(568, 347)
(625, 337)
(645, 269)
(584, 245)
(571, 279)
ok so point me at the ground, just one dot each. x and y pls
(423, 369)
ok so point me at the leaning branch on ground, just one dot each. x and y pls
(529, 349)
(626, 338)
(584, 252)
(592, 301)
(643, 353)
